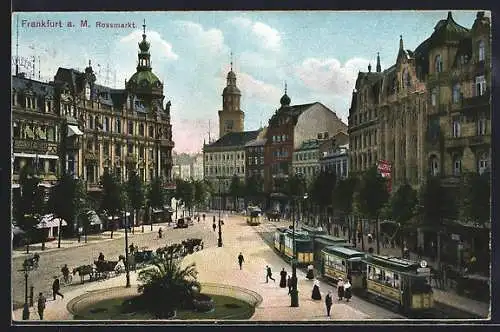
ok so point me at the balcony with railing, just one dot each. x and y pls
(456, 142)
(477, 101)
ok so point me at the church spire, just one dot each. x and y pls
(231, 60)
(379, 68)
(401, 42)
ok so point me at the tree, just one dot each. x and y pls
(253, 188)
(437, 204)
(373, 195)
(295, 188)
(155, 196)
(322, 191)
(475, 198)
(135, 191)
(235, 190)
(166, 286)
(343, 197)
(31, 202)
(111, 203)
(200, 193)
(403, 207)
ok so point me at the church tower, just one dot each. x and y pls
(231, 117)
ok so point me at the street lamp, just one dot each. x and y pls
(294, 293)
(219, 240)
(127, 272)
(27, 267)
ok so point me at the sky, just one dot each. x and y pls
(317, 53)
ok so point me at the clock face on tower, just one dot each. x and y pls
(229, 124)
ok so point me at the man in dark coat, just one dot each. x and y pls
(283, 278)
(41, 305)
(214, 226)
(289, 284)
(241, 259)
(56, 286)
(328, 303)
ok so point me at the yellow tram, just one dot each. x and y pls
(340, 262)
(303, 247)
(400, 281)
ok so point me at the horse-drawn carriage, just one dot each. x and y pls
(182, 223)
(105, 268)
(192, 245)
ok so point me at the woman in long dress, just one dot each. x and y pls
(340, 289)
(310, 272)
(347, 290)
(316, 294)
(283, 278)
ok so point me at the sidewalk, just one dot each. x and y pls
(448, 296)
(73, 242)
(220, 265)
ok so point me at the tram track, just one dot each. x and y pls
(439, 311)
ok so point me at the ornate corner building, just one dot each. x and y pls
(77, 126)
(429, 113)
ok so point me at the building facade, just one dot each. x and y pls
(336, 160)
(288, 128)
(90, 127)
(429, 113)
(224, 159)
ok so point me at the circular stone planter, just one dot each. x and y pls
(89, 299)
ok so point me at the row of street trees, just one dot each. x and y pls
(366, 196)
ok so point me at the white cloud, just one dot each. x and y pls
(330, 75)
(211, 40)
(257, 90)
(157, 43)
(268, 37)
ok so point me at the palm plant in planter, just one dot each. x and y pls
(166, 286)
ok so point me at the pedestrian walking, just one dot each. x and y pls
(370, 238)
(310, 272)
(328, 302)
(289, 284)
(56, 287)
(340, 289)
(241, 259)
(41, 305)
(214, 219)
(160, 232)
(283, 278)
(316, 294)
(269, 274)
(214, 226)
(203, 217)
(347, 290)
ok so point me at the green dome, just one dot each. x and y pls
(447, 31)
(146, 79)
(285, 100)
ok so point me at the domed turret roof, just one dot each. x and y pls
(231, 75)
(231, 89)
(145, 79)
(285, 100)
(447, 31)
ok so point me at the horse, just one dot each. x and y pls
(84, 270)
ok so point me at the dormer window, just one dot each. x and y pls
(481, 50)
(87, 91)
(438, 63)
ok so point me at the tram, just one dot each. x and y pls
(303, 247)
(343, 263)
(255, 217)
(401, 281)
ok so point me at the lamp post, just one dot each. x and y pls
(294, 293)
(27, 266)
(219, 240)
(127, 272)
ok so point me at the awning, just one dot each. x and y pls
(157, 210)
(94, 218)
(46, 185)
(16, 185)
(120, 216)
(48, 221)
(73, 130)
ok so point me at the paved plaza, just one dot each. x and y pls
(220, 266)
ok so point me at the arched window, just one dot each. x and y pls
(456, 128)
(434, 166)
(457, 165)
(481, 50)
(456, 93)
(438, 64)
